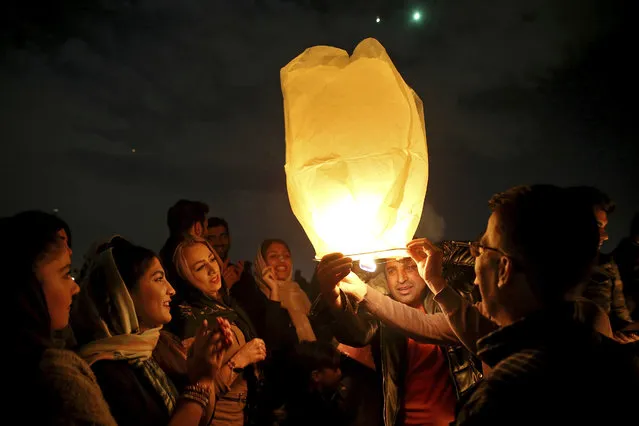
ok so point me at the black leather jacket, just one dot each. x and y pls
(390, 357)
(390, 346)
(459, 268)
(389, 350)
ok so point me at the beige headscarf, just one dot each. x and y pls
(106, 325)
(104, 316)
(292, 298)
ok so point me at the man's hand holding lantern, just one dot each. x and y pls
(331, 270)
(334, 273)
(429, 260)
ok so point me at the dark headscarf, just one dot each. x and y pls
(224, 307)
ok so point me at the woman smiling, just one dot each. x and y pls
(117, 320)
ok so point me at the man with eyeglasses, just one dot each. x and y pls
(547, 366)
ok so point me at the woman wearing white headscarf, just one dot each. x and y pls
(117, 320)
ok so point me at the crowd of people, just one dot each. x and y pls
(530, 324)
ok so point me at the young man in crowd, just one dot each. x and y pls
(183, 218)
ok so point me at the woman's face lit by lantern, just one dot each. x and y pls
(204, 269)
(278, 257)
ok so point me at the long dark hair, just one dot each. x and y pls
(28, 236)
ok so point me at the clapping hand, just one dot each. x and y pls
(252, 352)
(206, 351)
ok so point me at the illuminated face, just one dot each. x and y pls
(152, 297)
(279, 257)
(204, 269)
(58, 286)
(602, 222)
(219, 238)
(404, 282)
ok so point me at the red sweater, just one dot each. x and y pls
(429, 397)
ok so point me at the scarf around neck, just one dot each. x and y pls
(108, 327)
(292, 298)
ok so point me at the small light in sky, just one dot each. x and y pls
(55, 210)
(417, 16)
(133, 150)
(378, 19)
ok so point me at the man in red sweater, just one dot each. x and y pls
(422, 380)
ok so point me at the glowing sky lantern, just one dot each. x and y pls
(356, 157)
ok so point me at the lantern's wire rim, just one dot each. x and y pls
(388, 253)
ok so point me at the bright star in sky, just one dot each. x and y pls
(417, 16)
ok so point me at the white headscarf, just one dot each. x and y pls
(108, 328)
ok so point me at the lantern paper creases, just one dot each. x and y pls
(356, 156)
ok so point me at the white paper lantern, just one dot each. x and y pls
(356, 156)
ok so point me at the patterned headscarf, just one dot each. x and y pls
(223, 306)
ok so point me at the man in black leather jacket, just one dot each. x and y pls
(421, 382)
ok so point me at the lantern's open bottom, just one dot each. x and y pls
(369, 260)
(395, 253)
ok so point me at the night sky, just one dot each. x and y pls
(110, 111)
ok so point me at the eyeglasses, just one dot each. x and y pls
(476, 248)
